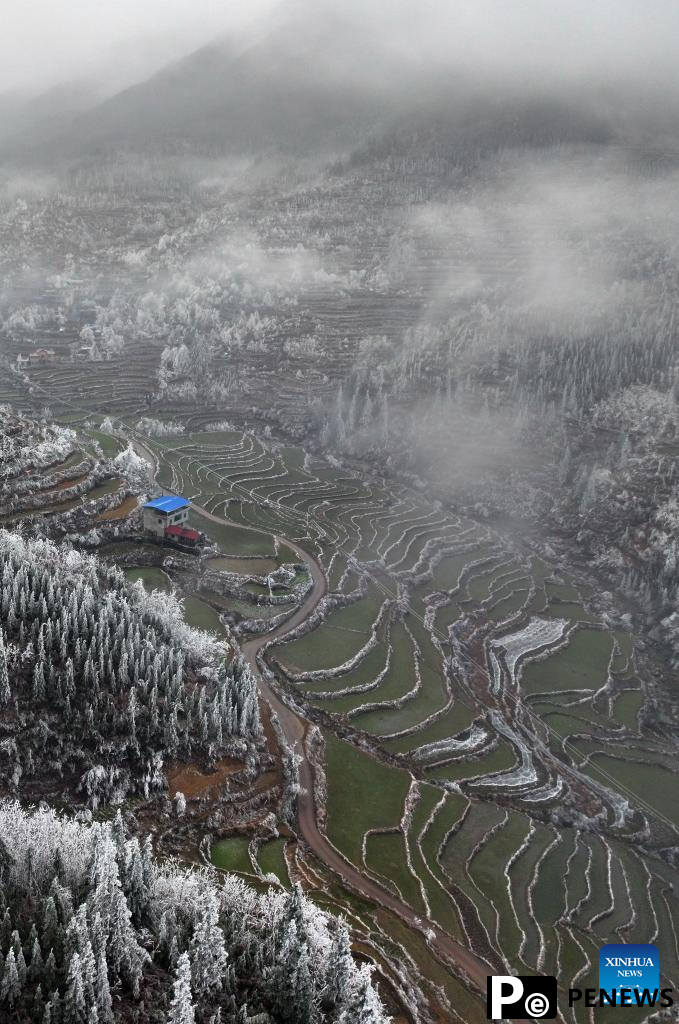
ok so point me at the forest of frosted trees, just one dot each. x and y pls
(101, 683)
(92, 930)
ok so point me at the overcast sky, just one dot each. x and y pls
(43, 42)
(46, 41)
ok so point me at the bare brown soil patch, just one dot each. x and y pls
(120, 511)
(192, 782)
(64, 485)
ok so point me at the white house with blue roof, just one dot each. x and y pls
(169, 510)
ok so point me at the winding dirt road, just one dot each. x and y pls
(294, 727)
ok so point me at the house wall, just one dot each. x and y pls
(178, 518)
(154, 522)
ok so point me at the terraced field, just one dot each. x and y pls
(483, 716)
(65, 482)
(506, 788)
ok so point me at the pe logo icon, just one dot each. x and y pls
(629, 965)
(521, 996)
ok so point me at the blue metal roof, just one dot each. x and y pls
(167, 503)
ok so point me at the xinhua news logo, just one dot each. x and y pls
(629, 975)
(628, 965)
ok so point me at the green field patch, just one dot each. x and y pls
(271, 860)
(562, 592)
(232, 854)
(68, 418)
(74, 459)
(366, 670)
(245, 566)
(362, 794)
(457, 718)
(201, 616)
(339, 637)
(234, 540)
(342, 705)
(428, 797)
(215, 441)
(265, 517)
(625, 643)
(567, 610)
(407, 551)
(669, 968)
(151, 576)
(482, 818)
(508, 606)
(626, 707)
(386, 858)
(549, 896)
(401, 675)
(434, 837)
(447, 572)
(110, 445)
(500, 758)
(572, 959)
(540, 571)
(445, 616)
(487, 870)
(244, 609)
(598, 899)
(430, 698)
(107, 487)
(656, 786)
(478, 586)
(637, 880)
(336, 572)
(565, 725)
(286, 556)
(581, 665)
(521, 874)
(440, 904)
(620, 915)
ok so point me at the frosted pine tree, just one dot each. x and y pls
(207, 952)
(75, 1005)
(181, 1008)
(10, 986)
(5, 689)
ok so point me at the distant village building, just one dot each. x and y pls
(41, 356)
(166, 517)
(167, 510)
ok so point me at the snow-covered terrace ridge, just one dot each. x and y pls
(538, 635)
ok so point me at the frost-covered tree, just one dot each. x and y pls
(121, 687)
(182, 1010)
(206, 947)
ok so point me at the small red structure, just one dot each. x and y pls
(40, 356)
(183, 535)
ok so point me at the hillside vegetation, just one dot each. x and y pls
(94, 931)
(100, 682)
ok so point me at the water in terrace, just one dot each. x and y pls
(498, 701)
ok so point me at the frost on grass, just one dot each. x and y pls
(538, 634)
